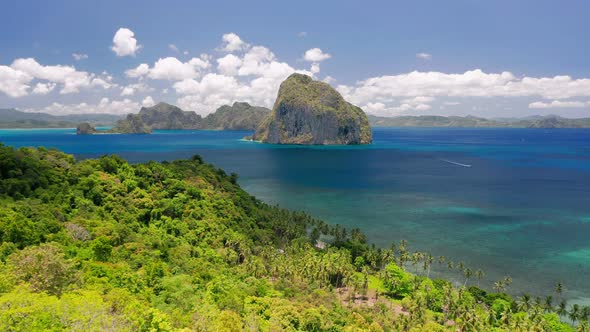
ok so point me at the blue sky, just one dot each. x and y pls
(486, 58)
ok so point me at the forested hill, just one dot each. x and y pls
(102, 245)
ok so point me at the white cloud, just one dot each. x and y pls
(254, 77)
(141, 70)
(14, 83)
(424, 56)
(232, 43)
(79, 56)
(170, 68)
(105, 106)
(71, 79)
(124, 43)
(474, 83)
(132, 89)
(315, 68)
(229, 65)
(173, 48)
(302, 34)
(43, 88)
(147, 102)
(329, 79)
(315, 55)
(559, 104)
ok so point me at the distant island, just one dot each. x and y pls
(12, 118)
(312, 112)
(243, 116)
(239, 116)
(549, 121)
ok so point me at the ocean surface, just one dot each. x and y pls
(509, 201)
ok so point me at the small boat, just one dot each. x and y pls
(455, 163)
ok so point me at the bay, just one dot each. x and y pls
(509, 201)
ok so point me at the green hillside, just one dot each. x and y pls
(103, 245)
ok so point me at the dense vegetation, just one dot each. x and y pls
(104, 245)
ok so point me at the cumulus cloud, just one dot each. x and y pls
(253, 77)
(132, 89)
(139, 71)
(14, 83)
(315, 55)
(173, 48)
(124, 43)
(424, 56)
(43, 88)
(329, 79)
(79, 56)
(170, 68)
(559, 104)
(16, 80)
(147, 102)
(229, 65)
(105, 106)
(232, 43)
(474, 83)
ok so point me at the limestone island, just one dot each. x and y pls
(239, 116)
(313, 113)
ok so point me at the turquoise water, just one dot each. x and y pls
(508, 201)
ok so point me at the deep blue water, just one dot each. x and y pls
(522, 208)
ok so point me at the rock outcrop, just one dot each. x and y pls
(312, 112)
(85, 128)
(239, 116)
(132, 124)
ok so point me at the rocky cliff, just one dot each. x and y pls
(239, 116)
(85, 128)
(132, 124)
(312, 112)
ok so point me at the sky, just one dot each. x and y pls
(465, 57)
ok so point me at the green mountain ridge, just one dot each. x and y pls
(12, 118)
(550, 121)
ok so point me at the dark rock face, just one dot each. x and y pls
(166, 116)
(312, 112)
(85, 128)
(133, 124)
(239, 116)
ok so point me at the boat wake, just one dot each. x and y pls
(455, 163)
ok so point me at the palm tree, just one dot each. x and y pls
(507, 281)
(524, 303)
(450, 265)
(441, 259)
(468, 273)
(549, 303)
(499, 286)
(479, 275)
(585, 313)
(559, 289)
(429, 260)
(561, 309)
(461, 266)
(574, 314)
